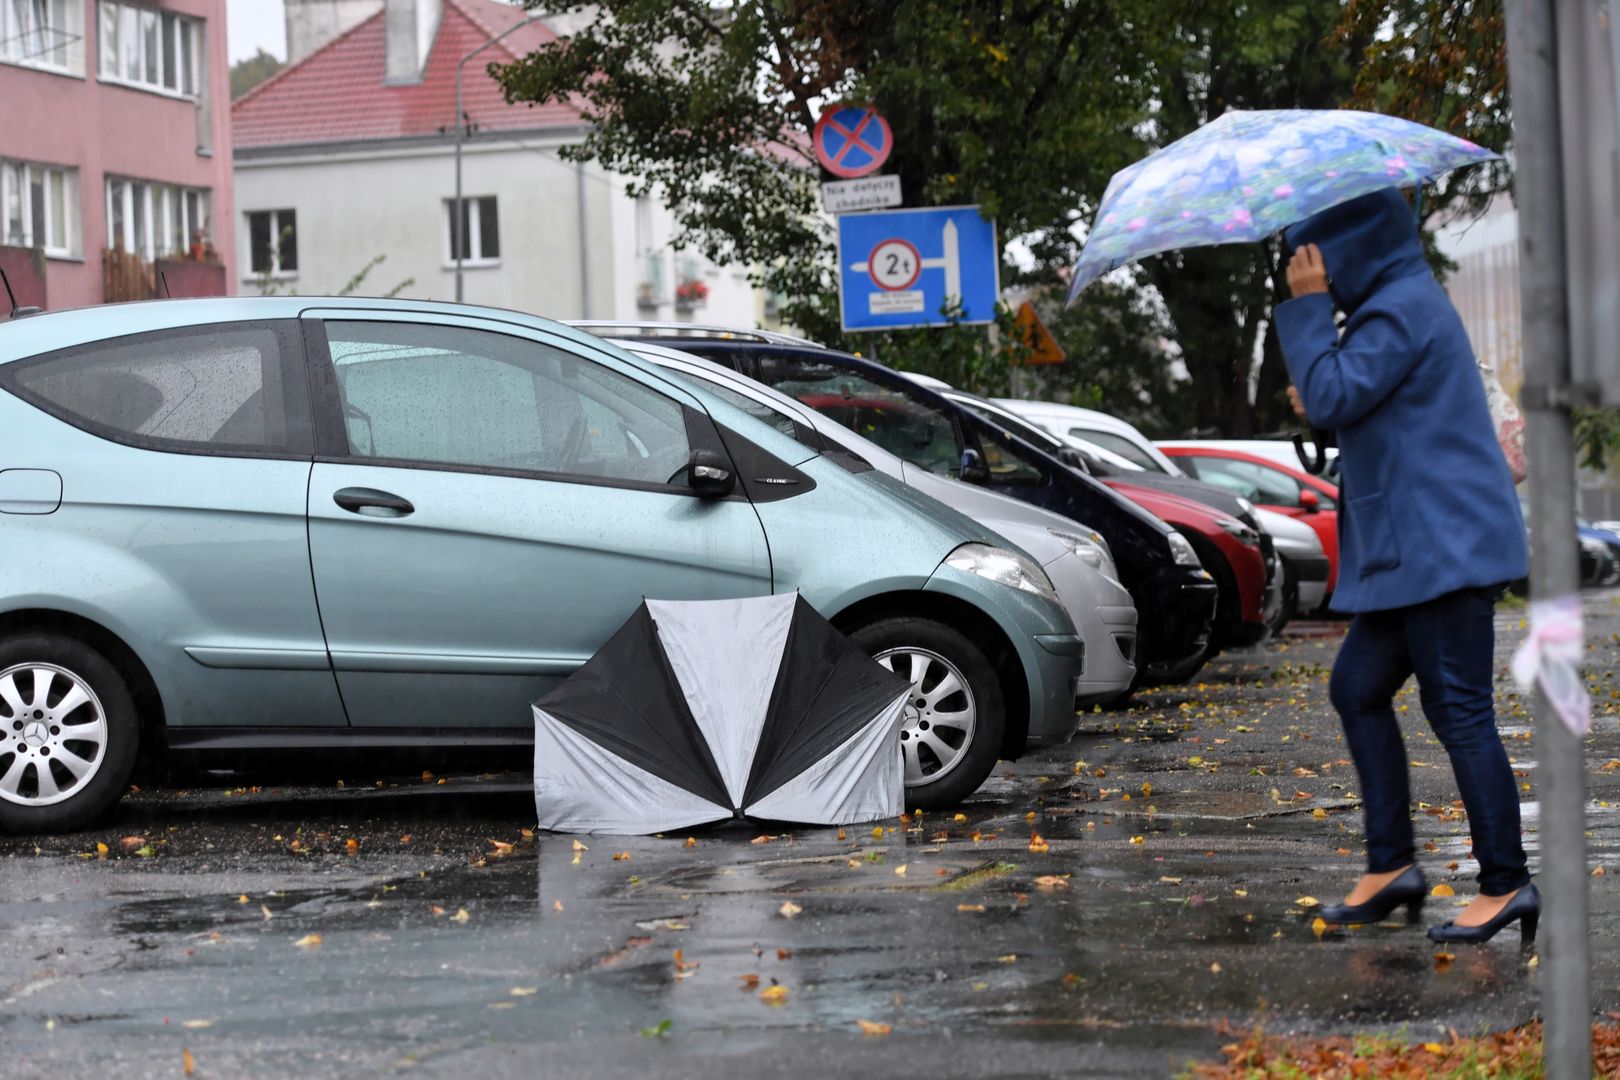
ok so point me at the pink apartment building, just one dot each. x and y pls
(115, 150)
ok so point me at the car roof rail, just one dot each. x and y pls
(657, 329)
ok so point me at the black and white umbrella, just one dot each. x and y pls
(699, 711)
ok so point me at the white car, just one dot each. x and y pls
(1076, 558)
(1097, 428)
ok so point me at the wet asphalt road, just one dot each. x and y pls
(324, 931)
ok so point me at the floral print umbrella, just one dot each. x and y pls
(1248, 174)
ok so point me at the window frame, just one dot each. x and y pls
(186, 45)
(162, 205)
(293, 373)
(331, 433)
(64, 33)
(71, 220)
(276, 271)
(474, 239)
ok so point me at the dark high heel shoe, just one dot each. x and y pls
(1410, 889)
(1524, 908)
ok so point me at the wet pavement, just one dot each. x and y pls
(410, 925)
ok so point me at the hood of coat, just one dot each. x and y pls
(1366, 243)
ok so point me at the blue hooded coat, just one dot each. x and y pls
(1427, 504)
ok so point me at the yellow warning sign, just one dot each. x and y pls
(1043, 347)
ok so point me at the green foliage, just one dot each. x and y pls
(246, 74)
(1597, 438)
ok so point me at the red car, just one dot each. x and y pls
(1229, 550)
(1270, 484)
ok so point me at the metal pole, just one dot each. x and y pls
(457, 211)
(584, 244)
(1555, 571)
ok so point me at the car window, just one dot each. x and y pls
(223, 388)
(757, 409)
(1118, 444)
(457, 396)
(1007, 465)
(1253, 481)
(907, 428)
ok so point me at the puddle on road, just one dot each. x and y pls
(1203, 805)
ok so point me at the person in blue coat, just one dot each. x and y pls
(1429, 533)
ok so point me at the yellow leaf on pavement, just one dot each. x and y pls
(524, 991)
(969, 907)
(188, 1064)
(900, 871)
(309, 941)
(1307, 902)
(775, 994)
(789, 909)
(1049, 882)
(1434, 1048)
(1319, 926)
(872, 1027)
(1138, 840)
(1442, 889)
(460, 916)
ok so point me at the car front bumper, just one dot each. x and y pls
(1177, 620)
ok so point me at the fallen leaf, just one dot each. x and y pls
(1070, 980)
(197, 1024)
(188, 1064)
(1215, 968)
(1443, 960)
(1147, 789)
(959, 818)
(1599, 872)
(145, 850)
(101, 850)
(1319, 813)
(427, 777)
(1009, 958)
(969, 907)
(130, 843)
(501, 847)
(460, 916)
(1049, 882)
(435, 909)
(1240, 892)
(621, 856)
(942, 872)
(1138, 840)
(658, 1030)
(775, 994)
(265, 911)
(1442, 889)
(840, 834)
(783, 955)
(524, 991)
(900, 871)
(1434, 1048)
(527, 834)
(691, 841)
(1341, 851)
(1038, 844)
(243, 899)
(1319, 926)
(580, 847)
(556, 905)
(1170, 881)
(877, 832)
(789, 909)
(762, 839)
(1307, 902)
(309, 941)
(872, 1027)
(749, 982)
(681, 966)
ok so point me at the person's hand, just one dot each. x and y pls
(1299, 406)
(1306, 274)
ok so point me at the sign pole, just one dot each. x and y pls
(1555, 572)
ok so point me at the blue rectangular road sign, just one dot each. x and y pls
(897, 268)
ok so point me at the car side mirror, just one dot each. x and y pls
(1309, 501)
(973, 469)
(1073, 457)
(709, 474)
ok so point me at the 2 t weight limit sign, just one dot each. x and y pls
(894, 265)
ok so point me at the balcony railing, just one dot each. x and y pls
(126, 276)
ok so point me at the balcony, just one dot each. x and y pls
(126, 276)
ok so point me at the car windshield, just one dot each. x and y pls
(1003, 419)
(907, 428)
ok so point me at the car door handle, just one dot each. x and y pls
(359, 500)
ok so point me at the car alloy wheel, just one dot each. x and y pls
(53, 734)
(940, 715)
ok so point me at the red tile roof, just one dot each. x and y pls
(337, 94)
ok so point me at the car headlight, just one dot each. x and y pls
(1236, 528)
(1091, 550)
(1003, 567)
(1181, 550)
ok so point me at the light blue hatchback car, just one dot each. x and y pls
(291, 523)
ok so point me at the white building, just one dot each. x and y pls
(348, 154)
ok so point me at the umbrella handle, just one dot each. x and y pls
(1318, 465)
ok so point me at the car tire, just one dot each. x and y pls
(1290, 599)
(64, 708)
(940, 771)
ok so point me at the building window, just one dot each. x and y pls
(42, 33)
(41, 207)
(149, 48)
(153, 220)
(273, 241)
(480, 231)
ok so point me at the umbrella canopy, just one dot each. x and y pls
(1246, 175)
(696, 712)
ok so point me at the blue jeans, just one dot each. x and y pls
(1447, 642)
